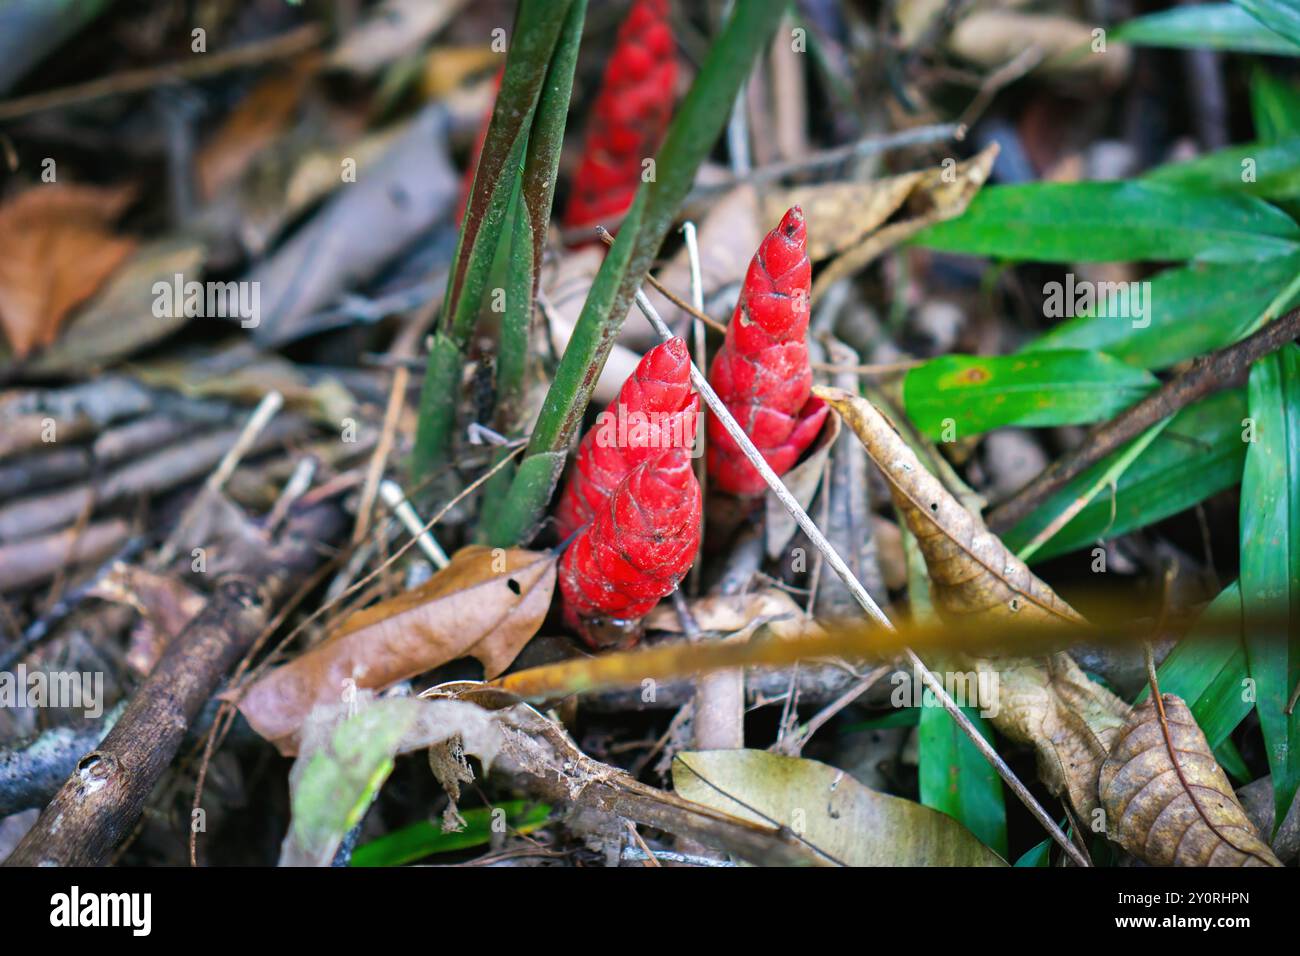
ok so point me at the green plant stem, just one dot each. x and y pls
(694, 131)
(533, 44)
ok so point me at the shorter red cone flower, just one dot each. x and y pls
(655, 409)
(761, 373)
(640, 545)
(630, 116)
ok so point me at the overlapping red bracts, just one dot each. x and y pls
(656, 409)
(640, 545)
(761, 373)
(631, 113)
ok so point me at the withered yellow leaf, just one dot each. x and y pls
(971, 570)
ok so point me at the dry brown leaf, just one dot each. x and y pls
(112, 326)
(971, 570)
(59, 248)
(1069, 720)
(1168, 802)
(880, 215)
(487, 603)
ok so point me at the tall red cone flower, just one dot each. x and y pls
(655, 409)
(761, 373)
(631, 114)
(640, 545)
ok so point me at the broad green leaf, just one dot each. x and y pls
(956, 779)
(1271, 170)
(1114, 222)
(691, 137)
(423, 839)
(1280, 16)
(1275, 106)
(1213, 26)
(1199, 454)
(1187, 311)
(1207, 669)
(979, 393)
(1270, 560)
(843, 819)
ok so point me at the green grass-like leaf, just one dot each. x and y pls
(1189, 310)
(1270, 559)
(422, 839)
(1198, 454)
(1280, 16)
(1115, 222)
(1214, 26)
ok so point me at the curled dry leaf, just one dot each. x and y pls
(1045, 702)
(858, 221)
(738, 616)
(59, 248)
(971, 570)
(487, 603)
(1168, 802)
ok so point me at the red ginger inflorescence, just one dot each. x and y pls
(631, 113)
(761, 373)
(655, 409)
(640, 545)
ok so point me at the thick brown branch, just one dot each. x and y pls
(105, 794)
(1207, 375)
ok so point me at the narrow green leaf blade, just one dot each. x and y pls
(1274, 105)
(1213, 26)
(1270, 170)
(425, 838)
(1270, 559)
(1207, 669)
(1114, 222)
(1280, 16)
(1200, 453)
(956, 779)
(957, 396)
(1186, 312)
(501, 165)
